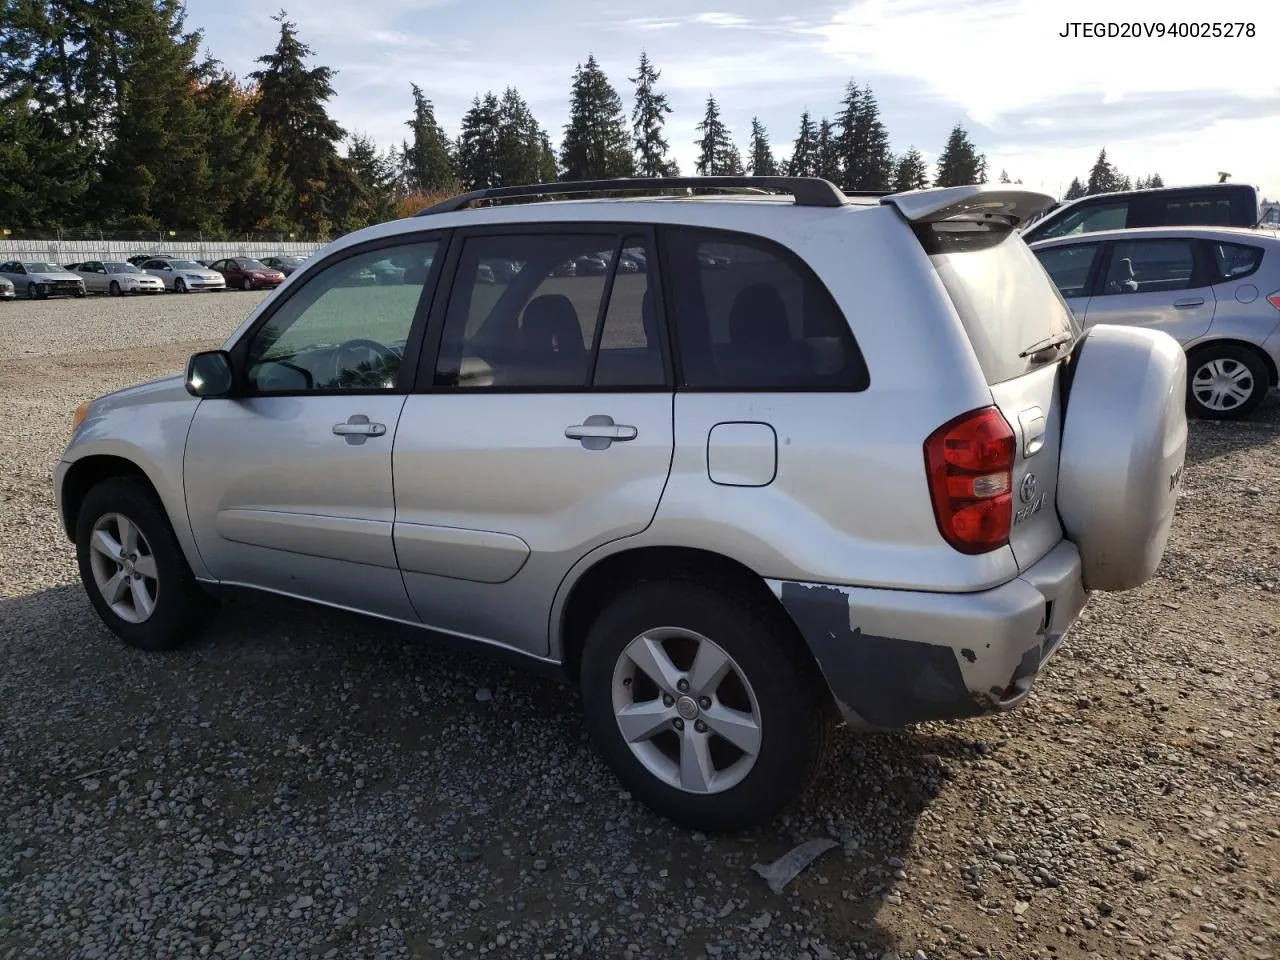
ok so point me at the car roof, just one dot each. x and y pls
(1138, 233)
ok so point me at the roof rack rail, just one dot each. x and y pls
(808, 191)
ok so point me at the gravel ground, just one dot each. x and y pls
(303, 784)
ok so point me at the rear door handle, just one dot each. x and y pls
(1189, 302)
(358, 427)
(598, 431)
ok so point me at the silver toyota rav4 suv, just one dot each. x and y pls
(768, 460)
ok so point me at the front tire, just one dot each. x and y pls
(1225, 382)
(179, 286)
(115, 289)
(724, 715)
(133, 568)
(246, 285)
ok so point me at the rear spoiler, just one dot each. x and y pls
(977, 203)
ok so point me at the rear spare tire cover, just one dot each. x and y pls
(1123, 445)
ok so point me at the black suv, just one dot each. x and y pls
(1210, 205)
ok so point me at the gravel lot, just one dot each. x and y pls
(304, 784)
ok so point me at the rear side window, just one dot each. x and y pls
(1005, 299)
(1213, 211)
(1070, 267)
(1151, 266)
(750, 315)
(1234, 261)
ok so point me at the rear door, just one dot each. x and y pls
(1021, 331)
(1164, 283)
(541, 430)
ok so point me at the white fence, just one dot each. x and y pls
(75, 251)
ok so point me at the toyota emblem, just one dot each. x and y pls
(1027, 490)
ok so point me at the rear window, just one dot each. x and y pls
(1005, 299)
(1213, 211)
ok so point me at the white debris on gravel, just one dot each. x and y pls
(303, 784)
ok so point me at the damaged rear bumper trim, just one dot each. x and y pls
(894, 658)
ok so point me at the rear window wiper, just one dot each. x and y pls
(1047, 344)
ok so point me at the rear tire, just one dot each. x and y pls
(681, 764)
(1225, 382)
(133, 568)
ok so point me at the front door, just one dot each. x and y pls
(289, 486)
(542, 431)
(1160, 283)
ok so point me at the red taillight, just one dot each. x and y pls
(1274, 299)
(970, 464)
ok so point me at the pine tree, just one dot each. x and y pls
(870, 165)
(426, 159)
(304, 138)
(242, 193)
(848, 145)
(22, 188)
(804, 153)
(374, 174)
(1155, 181)
(763, 163)
(597, 144)
(1101, 177)
(155, 165)
(478, 158)
(1075, 191)
(1004, 177)
(960, 163)
(647, 117)
(521, 143)
(717, 154)
(1122, 182)
(912, 172)
(828, 153)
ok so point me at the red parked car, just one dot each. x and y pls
(247, 274)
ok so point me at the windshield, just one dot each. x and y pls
(122, 268)
(38, 267)
(251, 265)
(185, 265)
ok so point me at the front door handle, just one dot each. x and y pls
(598, 431)
(1189, 302)
(358, 428)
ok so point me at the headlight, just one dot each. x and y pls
(77, 418)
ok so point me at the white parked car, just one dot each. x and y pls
(184, 276)
(115, 277)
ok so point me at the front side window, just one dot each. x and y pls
(750, 315)
(1069, 267)
(1150, 266)
(551, 312)
(1086, 219)
(338, 332)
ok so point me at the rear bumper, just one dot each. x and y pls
(897, 657)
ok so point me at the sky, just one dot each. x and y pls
(1039, 105)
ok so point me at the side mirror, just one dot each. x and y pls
(209, 374)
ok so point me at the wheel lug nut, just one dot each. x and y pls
(704, 703)
(678, 723)
(683, 686)
(668, 700)
(700, 727)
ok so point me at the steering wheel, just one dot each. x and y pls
(381, 358)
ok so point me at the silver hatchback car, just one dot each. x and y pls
(814, 461)
(1216, 290)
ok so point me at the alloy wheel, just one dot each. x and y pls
(124, 568)
(686, 710)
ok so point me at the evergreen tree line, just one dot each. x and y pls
(1105, 178)
(111, 118)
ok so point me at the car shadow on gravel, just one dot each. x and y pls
(301, 727)
(1211, 439)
